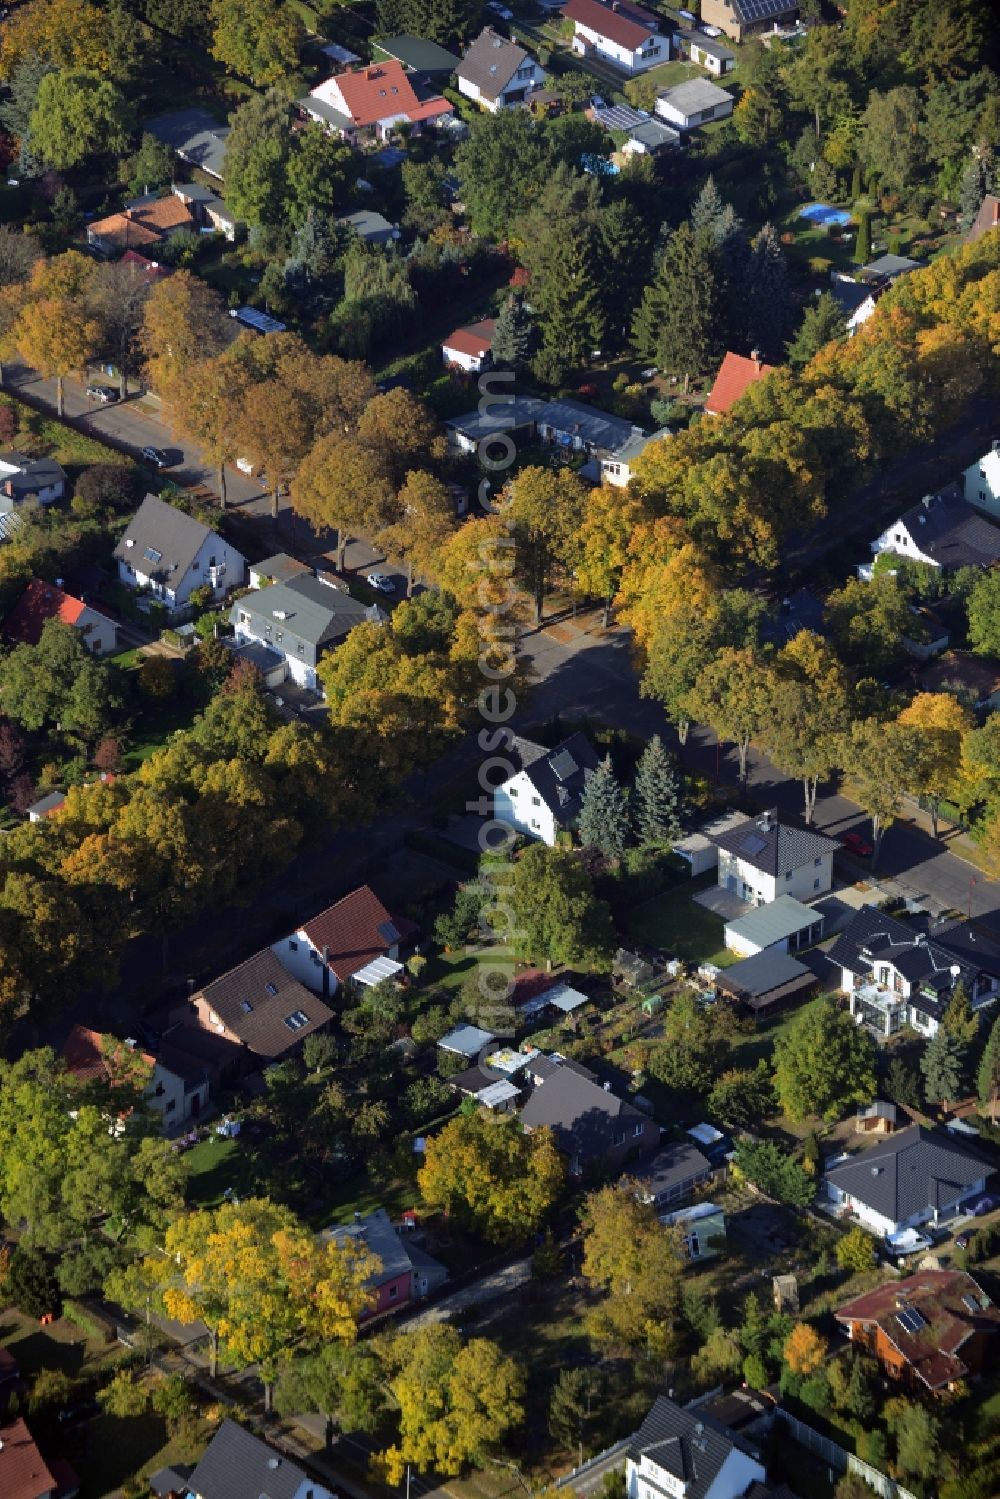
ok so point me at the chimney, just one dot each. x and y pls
(755, 356)
(326, 973)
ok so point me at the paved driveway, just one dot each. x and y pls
(500, 1283)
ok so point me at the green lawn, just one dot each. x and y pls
(55, 439)
(213, 1165)
(155, 724)
(681, 927)
(448, 970)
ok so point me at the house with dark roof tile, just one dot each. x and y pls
(238, 1465)
(622, 34)
(300, 620)
(497, 73)
(763, 858)
(901, 973)
(905, 1180)
(545, 794)
(943, 531)
(591, 1124)
(406, 1273)
(686, 1454)
(357, 939)
(167, 554)
(928, 1331)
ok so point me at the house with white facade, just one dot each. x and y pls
(897, 973)
(623, 34)
(300, 620)
(855, 299)
(763, 858)
(544, 796)
(373, 102)
(23, 478)
(943, 531)
(496, 73)
(711, 54)
(902, 1181)
(470, 349)
(167, 554)
(343, 943)
(236, 1462)
(694, 103)
(981, 483)
(41, 602)
(679, 1453)
(783, 925)
(618, 468)
(176, 1091)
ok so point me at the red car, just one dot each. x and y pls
(855, 844)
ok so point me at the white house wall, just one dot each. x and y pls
(898, 539)
(982, 484)
(750, 883)
(517, 802)
(619, 56)
(300, 958)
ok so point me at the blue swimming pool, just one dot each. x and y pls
(822, 213)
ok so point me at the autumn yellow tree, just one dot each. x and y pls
(183, 324)
(56, 336)
(64, 33)
(629, 1254)
(208, 413)
(423, 519)
(601, 548)
(544, 509)
(941, 724)
(343, 482)
(403, 430)
(804, 1350)
(484, 1169)
(274, 431)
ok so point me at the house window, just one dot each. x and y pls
(293, 946)
(637, 1131)
(536, 801)
(296, 1020)
(393, 1292)
(169, 1108)
(244, 617)
(512, 791)
(619, 1139)
(788, 874)
(815, 884)
(246, 1007)
(816, 863)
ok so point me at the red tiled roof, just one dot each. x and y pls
(151, 269)
(38, 603)
(351, 930)
(736, 375)
(629, 25)
(986, 219)
(946, 1320)
(374, 93)
(24, 1473)
(83, 1056)
(474, 340)
(145, 224)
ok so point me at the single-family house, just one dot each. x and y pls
(470, 349)
(207, 209)
(913, 1177)
(785, 924)
(339, 944)
(374, 228)
(497, 73)
(545, 794)
(974, 681)
(896, 973)
(373, 102)
(694, 103)
(278, 568)
(140, 225)
(766, 981)
(986, 219)
(300, 620)
(699, 850)
(490, 1089)
(405, 1274)
(736, 375)
(23, 479)
(176, 1092)
(672, 1174)
(416, 53)
(499, 416)
(25, 1473)
(168, 554)
(592, 1125)
(46, 806)
(981, 483)
(711, 54)
(702, 1228)
(856, 299)
(763, 857)
(195, 136)
(259, 1006)
(740, 19)
(683, 1453)
(619, 468)
(928, 1331)
(943, 531)
(622, 34)
(237, 1464)
(41, 602)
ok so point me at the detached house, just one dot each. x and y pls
(897, 974)
(405, 1274)
(592, 1126)
(618, 469)
(41, 602)
(981, 482)
(943, 531)
(763, 858)
(354, 939)
(169, 554)
(258, 1006)
(470, 349)
(741, 19)
(23, 478)
(735, 377)
(177, 1092)
(298, 622)
(694, 103)
(25, 1473)
(621, 33)
(145, 223)
(373, 102)
(236, 1464)
(928, 1331)
(913, 1177)
(986, 219)
(497, 73)
(545, 795)
(679, 1453)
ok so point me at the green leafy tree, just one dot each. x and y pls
(557, 917)
(258, 39)
(823, 1063)
(891, 147)
(575, 1407)
(444, 21)
(676, 323)
(728, 696)
(484, 1170)
(863, 243)
(342, 1384)
(944, 1065)
(880, 758)
(688, 1056)
(559, 234)
(822, 321)
(77, 114)
(629, 1255)
(500, 166)
(984, 614)
(59, 681)
(320, 172)
(258, 156)
(855, 1251)
(656, 797)
(959, 1017)
(918, 1441)
(867, 622)
(743, 1097)
(774, 1172)
(860, 1391)
(152, 166)
(604, 819)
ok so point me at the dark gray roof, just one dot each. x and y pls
(654, 134)
(765, 971)
(774, 847)
(281, 568)
(195, 135)
(694, 95)
(891, 266)
(712, 46)
(909, 1172)
(417, 53)
(872, 936)
(501, 414)
(559, 776)
(582, 1114)
(671, 1167)
(32, 474)
(951, 532)
(688, 1444)
(313, 611)
(850, 295)
(160, 528)
(170, 1480)
(801, 610)
(371, 226)
(377, 1232)
(491, 62)
(320, 110)
(751, 12)
(237, 1465)
(598, 428)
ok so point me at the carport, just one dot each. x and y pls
(766, 980)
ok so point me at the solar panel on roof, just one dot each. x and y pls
(387, 932)
(910, 1320)
(971, 1304)
(563, 765)
(753, 844)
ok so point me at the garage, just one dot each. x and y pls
(784, 923)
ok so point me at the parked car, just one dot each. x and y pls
(79, 1412)
(382, 582)
(156, 456)
(102, 393)
(854, 843)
